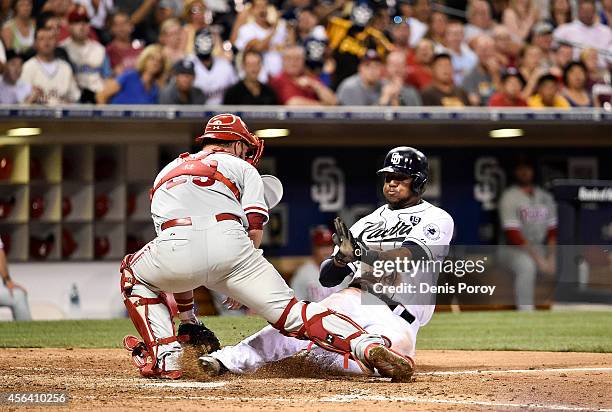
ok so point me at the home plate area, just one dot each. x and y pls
(103, 379)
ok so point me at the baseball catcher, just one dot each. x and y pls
(209, 210)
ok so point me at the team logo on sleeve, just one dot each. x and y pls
(414, 220)
(432, 231)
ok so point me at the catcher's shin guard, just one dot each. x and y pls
(330, 330)
(141, 302)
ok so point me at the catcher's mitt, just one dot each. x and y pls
(199, 336)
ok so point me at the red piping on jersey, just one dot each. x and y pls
(194, 166)
(256, 208)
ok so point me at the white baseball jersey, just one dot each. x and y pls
(55, 79)
(424, 225)
(216, 81)
(90, 63)
(193, 195)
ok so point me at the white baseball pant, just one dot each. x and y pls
(269, 345)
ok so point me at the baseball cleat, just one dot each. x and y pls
(211, 366)
(389, 363)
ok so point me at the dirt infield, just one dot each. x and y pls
(98, 379)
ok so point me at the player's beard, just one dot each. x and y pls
(401, 203)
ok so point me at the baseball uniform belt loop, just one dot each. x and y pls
(187, 221)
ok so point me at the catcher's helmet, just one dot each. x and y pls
(230, 128)
(410, 162)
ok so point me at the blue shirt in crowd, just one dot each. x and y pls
(133, 90)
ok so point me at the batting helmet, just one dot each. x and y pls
(230, 128)
(410, 162)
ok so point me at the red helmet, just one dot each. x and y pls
(101, 205)
(230, 128)
(40, 248)
(6, 167)
(66, 206)
(37, 207)
(69, 245)
(6, 206)
(321, 236)
(101, 246)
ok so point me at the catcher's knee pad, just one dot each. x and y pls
(145, 354)
(328, 329)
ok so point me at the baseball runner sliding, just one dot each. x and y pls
(407, 226)
(209, 210)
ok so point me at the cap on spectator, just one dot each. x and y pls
(78, 15)
(203, 43)
(315, 52)
(371, 55)
(542, 27)
(512, 72)
(321, 236)
(184, 66)
(12, 54)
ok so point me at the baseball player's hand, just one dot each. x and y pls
(232, 304)
(348, 248)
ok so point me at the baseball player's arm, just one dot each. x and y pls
(332, 273)
(254, 204)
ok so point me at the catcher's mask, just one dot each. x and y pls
(230, 128)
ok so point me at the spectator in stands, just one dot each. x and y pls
(318, 63)
(422, 10)
(88, 57)
(418, 70)
(400, 36)
(308, 27)
(590, 58)
(394, 91)
(479, 20)
(605, 14)
(122, 52)
(485, 77)
(51, 79)
(139, 86)
(528, 217)
(437, 28)
(305, 281)
(548, 94)
(12, 89)
(464, 59)
(541, 36)
(50, 21)
(575, 77)
(250, 91)
(171, 39)
(141, 14)
(180, 89)
(560, 12)
(507, 50)
(531, 63)
(196, 18)
(18, 32)
(585, 31)
(364, 88)
(443, 91)
(509, 93)
(99, 12)
(562, 55)
(418, 30)
(294, 87)
(519, 18)
(60, 9)
(214, 75)
(12, 295)
(265, 36)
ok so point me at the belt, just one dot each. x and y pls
(186, 221)
(407, 316)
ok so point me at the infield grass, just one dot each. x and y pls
(569, 331)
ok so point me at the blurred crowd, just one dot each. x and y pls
(536, 53)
